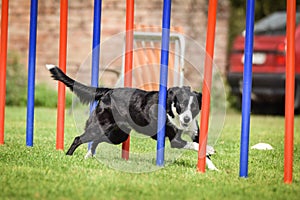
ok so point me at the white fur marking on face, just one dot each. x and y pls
(178, 120)
(190, 102)
(187, 112)
(175, 121)
(174, 110)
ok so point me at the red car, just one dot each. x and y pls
(268, 78)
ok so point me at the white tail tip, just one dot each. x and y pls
(50, 66)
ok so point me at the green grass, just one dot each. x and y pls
(42, 172)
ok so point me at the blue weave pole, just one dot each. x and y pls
(96, 47)
(96, 50)
(31, 72)
(247, 87)
(162, 97)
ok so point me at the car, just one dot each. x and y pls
(268, 68)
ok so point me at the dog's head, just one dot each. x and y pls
(183, 105)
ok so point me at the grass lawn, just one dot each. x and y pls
(42, 172)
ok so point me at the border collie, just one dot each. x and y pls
(121, 110)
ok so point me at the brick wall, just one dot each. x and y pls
(191, 15)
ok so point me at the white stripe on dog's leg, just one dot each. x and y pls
(50, 66)
(195, 146)
(89, 154)
(192, 146)
(210, 165)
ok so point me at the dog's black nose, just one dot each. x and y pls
(186, 119)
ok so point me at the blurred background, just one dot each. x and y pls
(189, 15)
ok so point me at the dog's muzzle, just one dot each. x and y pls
(185, 124)
(185, 121)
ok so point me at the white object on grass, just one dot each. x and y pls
(262, 146)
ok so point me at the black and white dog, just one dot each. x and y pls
(121, 110)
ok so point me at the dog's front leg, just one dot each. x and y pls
(89, 154)
(192, 146)
(177, 142)
(210, 165)
(92, 151)
(195, 146)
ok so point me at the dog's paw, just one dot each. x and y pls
(195, 146)
(192, 146)
(210, 165)
(210, 150)
(89, 154)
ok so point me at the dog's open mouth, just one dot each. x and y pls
(184, 125)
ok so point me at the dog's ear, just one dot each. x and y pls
(199, 98)
(187, 88)
(170, 99)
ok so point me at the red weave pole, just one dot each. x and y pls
(210, 40)
(3, 58)
(62, 65)
(128, 61)
(290, 91)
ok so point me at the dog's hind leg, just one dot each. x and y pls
(87, 136)
(92, 150)
(116, 136)
(76, 143)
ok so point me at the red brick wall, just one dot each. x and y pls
(189, 14)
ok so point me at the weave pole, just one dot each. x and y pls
(128, 61)
(62, 65)
(247, 87)
(290, 91)
(95, 50)
(210, 41)
(96, 47)
(3, 58)
(31, 72)
(162, 97)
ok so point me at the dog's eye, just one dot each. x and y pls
(178, 108)
(185, 103)
(182, 106)
(195, 111)
(193, 105)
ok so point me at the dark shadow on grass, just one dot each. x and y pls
(139, 162)
(184, 163)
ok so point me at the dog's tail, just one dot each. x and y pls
(86, 94)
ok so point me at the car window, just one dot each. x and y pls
(274, 24)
